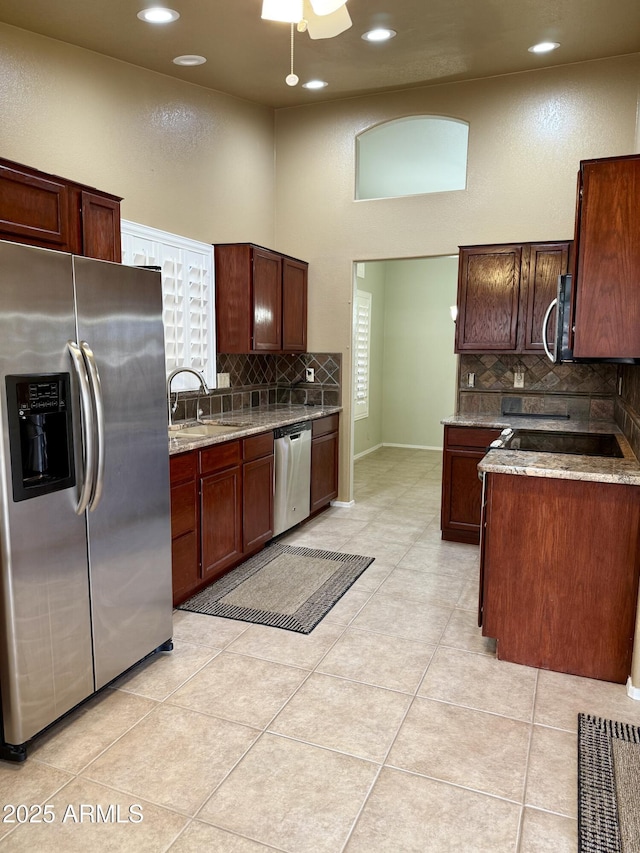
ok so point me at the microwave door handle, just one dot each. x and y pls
(545, 328)
(98, 408)
(88, 443)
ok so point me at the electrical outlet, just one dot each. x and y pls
(309, 374)
(619, 386)
(518, 377)
(471, 380)
(224, 380)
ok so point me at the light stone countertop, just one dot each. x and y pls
(251, 421)
(565, 466)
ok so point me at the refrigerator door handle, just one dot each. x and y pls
(88, 443)
(98, 409)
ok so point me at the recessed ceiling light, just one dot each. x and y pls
(544, 47)
(189, 59)
(379, 34)
(315, 84)
(158, 15)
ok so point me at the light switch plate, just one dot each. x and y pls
(224, 380)
(309, 374)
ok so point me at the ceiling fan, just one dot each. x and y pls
(322, 19)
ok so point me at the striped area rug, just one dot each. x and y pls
(608, 786)
(285, 586)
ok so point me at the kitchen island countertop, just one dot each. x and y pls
(601, 469)
(246, 422)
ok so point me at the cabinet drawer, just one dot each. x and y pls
(323, 426)
(257, 446)
(220, 456)
(184, 506)
(478, 437)
(183, 467)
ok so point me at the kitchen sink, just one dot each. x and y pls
(205, 430)
(579, 443)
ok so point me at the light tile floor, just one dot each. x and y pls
(391, 728)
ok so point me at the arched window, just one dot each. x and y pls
(412, 155)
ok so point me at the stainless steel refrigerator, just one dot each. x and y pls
(85, 533)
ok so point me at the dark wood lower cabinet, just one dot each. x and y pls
(257, 491)
(464, 447)
(185, 546)
(324, 461)
(221, 521)
(222, 502)
(221, 509)
(560, 573)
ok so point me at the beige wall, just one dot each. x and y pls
(527, 134)
(185, 159)
(200, 163)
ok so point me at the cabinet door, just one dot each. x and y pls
(488, 295)
(556, 596)
(543, 264)
(267, 301)
(34, 210)
(185, 563)
(461, 496)
(324, 470)
(221, 521)
(607, 307)
(294, 305)
(100, 227)
(257, 500)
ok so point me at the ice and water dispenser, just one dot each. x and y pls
(40, 434)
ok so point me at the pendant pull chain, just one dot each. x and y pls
(292, 79)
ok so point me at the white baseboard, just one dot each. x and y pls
(391, 444)
(366, 452)
(412, 446)
(342, 504)
(632, 692)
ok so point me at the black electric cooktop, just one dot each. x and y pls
(579, 443)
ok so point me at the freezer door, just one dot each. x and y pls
(119, 315)
(45, 634)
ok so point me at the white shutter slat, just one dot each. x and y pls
(362, 353)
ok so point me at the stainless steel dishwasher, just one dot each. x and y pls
(292, 475)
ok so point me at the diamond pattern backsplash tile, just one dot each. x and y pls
(260, 380)
(495, 373)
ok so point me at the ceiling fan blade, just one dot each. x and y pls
(326, 26)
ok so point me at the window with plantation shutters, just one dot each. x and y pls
(187, 297)
(362, 350)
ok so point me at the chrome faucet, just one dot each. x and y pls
(175, 372)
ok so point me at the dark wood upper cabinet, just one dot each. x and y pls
(607, 259)
(488, 293)
(100, 227)
(294, 305)
(52, 212)
(503, 293)
(545, 262)
(261, 300)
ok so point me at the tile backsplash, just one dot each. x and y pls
(627, 405)
(260, 380)
(576, 390)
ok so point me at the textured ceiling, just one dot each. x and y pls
(437, 41)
